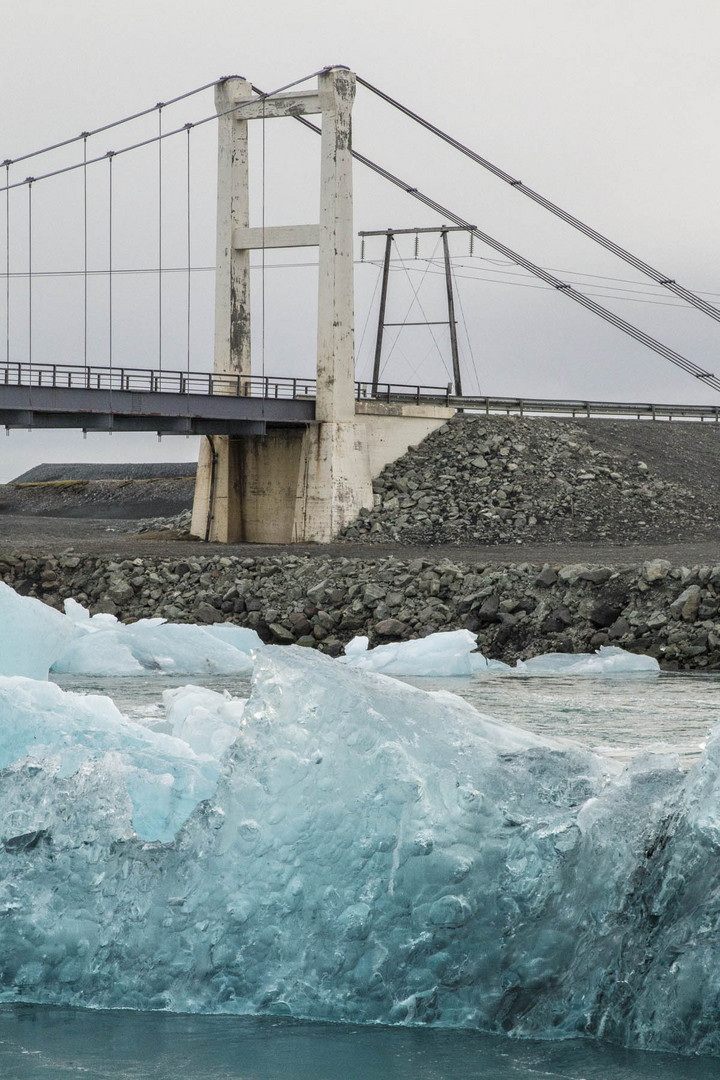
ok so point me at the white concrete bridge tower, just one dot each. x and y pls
(304, 483)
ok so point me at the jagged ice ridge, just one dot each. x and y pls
(343, 846)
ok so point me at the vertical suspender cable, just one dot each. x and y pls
(7, 261)
(85, 251)
(160, 185)
(188, 128)
(262, 339)
(30, 271)
(110, 156)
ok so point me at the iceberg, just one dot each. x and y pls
(102, 645)
(443, 654)
(367, 852)
(35, 638)
(608, 660)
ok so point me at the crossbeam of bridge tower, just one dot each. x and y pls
(293, 483)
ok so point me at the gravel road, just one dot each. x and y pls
(51, 535)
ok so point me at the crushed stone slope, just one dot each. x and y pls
(503, 480)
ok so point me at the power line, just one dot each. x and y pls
(474, 275)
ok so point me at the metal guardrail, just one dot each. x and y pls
(280, 387)
(146, 380)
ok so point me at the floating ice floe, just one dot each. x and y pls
(32, 634)
(438, 655)
(105, 646)
(451, 653)
(608, 660)
(35, 638)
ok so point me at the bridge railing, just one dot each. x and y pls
(145, 380)
(402, 392)
(137, 380)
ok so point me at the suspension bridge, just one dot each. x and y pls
(284, 458)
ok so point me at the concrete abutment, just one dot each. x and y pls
(302, 484)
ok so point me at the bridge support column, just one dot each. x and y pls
(337, 481)
(274, 488)
(214, 500)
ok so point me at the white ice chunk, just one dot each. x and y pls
(99, 653)
(451, 653)
(608, 660)
(105, 646)
(32, 634)
(206, 720)
(442, 654)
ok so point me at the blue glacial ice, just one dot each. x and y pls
(363, 851)
(155, 779)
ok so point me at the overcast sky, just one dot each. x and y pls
(607, 107)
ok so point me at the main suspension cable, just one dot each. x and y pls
(569, 219)
(114, 124)
(632, 331)
(166, 134)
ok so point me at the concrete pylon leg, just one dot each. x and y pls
(337, 480)
(335, 483)
(214, 502)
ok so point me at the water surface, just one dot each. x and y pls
(42, 1043)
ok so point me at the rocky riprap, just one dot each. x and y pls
(497, 480)
(178, 525)
(516, 610)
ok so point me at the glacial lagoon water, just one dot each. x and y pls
(39, 1043)
(616, 717)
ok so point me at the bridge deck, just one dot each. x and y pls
(204, 403)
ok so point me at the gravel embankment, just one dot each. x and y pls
(517, 610)
(538, 535)
(129, 499)
(500, 480)
(113, 470)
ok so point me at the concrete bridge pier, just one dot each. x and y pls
(302, 484)
(295, 483)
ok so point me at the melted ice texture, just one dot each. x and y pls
(346, 847)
